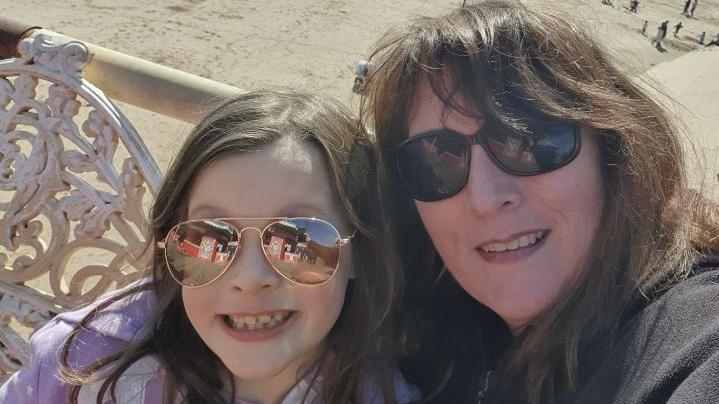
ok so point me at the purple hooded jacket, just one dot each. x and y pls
(114, 328)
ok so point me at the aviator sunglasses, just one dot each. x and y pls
(302, 250)
(434, 165)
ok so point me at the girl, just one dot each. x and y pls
(270, 279)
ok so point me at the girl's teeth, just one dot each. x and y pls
(256, 322)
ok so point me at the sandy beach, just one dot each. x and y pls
(313, 44)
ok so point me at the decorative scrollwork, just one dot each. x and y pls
(58, 164)
(66, 59)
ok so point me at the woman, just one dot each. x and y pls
(552, 190)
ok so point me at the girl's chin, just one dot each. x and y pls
(257, 370)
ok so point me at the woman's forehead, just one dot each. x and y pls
(429, 111)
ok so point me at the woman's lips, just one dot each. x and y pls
(262, 332)
(512, 255)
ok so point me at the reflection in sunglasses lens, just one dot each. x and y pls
(303, 250)
(434, 166)
(549, 146)
(198, 251)
(514, 152)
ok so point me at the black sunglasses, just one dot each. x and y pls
(435, 165)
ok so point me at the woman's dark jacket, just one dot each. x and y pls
(666, 351)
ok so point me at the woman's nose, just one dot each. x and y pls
(490, 190)
(250, 271)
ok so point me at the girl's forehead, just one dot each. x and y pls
(282, 179)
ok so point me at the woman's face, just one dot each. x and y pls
(554, 214)
(283, 180)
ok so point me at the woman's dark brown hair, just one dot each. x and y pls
(359, 344)
(506, 62)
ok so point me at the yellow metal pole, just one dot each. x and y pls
(149, 85)
(12, 32)
(129, 79)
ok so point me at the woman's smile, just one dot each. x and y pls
(513, 248)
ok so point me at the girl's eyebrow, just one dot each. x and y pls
(207, 210)
(304, 209)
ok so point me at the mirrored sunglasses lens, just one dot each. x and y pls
(433, 167)
(303, 250)
(550, 146)
(199, 251)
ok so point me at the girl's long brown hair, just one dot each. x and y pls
(360, 343)
(505, 62)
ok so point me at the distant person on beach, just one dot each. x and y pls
(701, 38)
(633, 4)
(686, 7)
(694, 6)
(661, 33)
(644, 27)
(677, 28)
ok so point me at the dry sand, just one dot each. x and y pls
(688, 88)
(310, 44)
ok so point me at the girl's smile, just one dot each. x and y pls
(258, 327)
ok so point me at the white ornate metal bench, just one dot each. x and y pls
(75, 180)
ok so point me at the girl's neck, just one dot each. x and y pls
(273, 390)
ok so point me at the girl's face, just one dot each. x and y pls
(512, 242)
(283, 180)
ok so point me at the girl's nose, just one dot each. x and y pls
(491, 190)
(250, 271)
